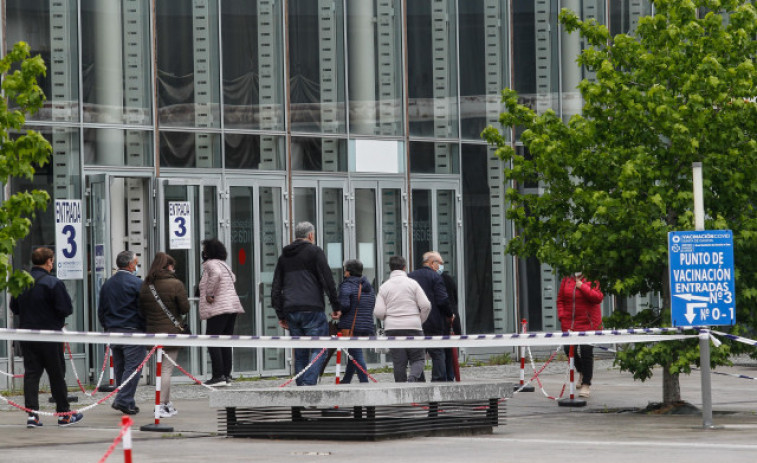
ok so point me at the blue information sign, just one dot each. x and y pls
(702, 289)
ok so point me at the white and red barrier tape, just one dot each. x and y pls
(334, 342)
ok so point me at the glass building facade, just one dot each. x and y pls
(360, 116)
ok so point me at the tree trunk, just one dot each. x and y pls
(671, 387)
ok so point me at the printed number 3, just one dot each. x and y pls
(71, 232)
(181, 221)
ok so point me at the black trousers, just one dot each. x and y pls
(42, 357)
(583, 357)
(220, 357)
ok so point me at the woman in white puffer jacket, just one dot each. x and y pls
(219, 305)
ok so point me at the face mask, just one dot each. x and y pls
(578, 274)
(135, 271)
(440, 269)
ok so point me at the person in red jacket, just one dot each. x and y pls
(578, 307)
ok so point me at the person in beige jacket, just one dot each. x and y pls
(219, 305)
(403, 306)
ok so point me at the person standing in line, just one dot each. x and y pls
(441, 315)
(455, 329)
(578, 308)
(357, 300)
(44, 306)
(403, 306)
(118, 312)
(219, 305)
(301, 277)
(163, 294)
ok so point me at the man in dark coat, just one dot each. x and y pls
(301, 277)
(441, 316)
(44, 306)
(118, 311)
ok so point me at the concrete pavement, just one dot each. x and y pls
(536, 429)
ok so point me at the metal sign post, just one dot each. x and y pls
(702, 284)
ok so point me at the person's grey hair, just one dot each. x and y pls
(427, 256)
(302, 230)
(124, 258)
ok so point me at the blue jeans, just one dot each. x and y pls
(126, 359)
(357, 355)
(307, 324)
(438, 364)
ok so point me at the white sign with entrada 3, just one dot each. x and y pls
(69, 263)
(180, 225)
(702, 289)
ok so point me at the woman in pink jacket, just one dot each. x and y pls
(219, 305)
(578, 307)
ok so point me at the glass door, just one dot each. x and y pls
(190, 211)
(323, 203)
(437, 226)
(378, 224)
(257, 211)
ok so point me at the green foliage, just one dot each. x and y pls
(618, 177)
(18, 155)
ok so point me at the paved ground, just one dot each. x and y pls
(537, 429)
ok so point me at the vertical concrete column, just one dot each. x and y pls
(362, 65)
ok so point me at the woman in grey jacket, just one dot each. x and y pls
(219, 305)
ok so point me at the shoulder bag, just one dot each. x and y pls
(351, 330)
(183, 328)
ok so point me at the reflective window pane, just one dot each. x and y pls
(253, 67)
(434, 158)
(115, 147)
(432, 68)
(536, 63)
(484, 36)
(319, 154)
(446, 219)
(305, 206)
(182, 149)
(391, 227)
(365, 232)
(50, 29)
(270, 237)
(423, 227)
(116, 62)
(316, 66)
(242, 256)
(375, 73)
(332, 206)
(263, 152)
(187, 57)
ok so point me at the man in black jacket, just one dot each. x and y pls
(44, 306)
(441, 316)
(301, 277)
(118, 312)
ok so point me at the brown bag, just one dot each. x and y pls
(349, 331)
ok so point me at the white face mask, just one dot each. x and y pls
(578, 274)
(135, 271)
(440, 269)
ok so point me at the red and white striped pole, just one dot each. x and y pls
(522, 387)
(111, 375)
(572, 401)
(338, 360)
(158, 372)
(127, 422)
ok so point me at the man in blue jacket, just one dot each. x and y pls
(441, 316)
(301, 277)
(44, 306)
(118, 312)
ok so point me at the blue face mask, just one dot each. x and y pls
(440, 269)
(135, 271)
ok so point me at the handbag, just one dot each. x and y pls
(351, 330)
(183, 328)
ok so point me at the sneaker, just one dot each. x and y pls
(585, 391)
(33, 422)
(229, 379)
(167, 411)
(68, 420)
(216, 382)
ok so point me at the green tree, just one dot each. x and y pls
(20, 151)
(618, 178)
